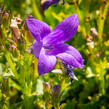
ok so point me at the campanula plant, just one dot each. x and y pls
(50, 45)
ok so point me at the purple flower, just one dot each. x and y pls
(46, 3)
(49, 45)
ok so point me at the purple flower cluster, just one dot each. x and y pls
(50, 45)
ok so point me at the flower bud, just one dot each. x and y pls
(71, 74)
(44, 4)
(68, 70)
(56, 90)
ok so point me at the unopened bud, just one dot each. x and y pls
(56, 90)
(44, 4)
(67, 67)
(71, 74)
(68, 70)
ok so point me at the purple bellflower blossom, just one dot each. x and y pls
(46, 3)
(50, 45)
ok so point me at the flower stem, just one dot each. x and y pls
(35, 10)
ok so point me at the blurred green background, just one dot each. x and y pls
(20, 85)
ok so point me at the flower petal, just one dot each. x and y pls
(69, 59)
(65, 48)
(38, 28)
(53, 38)
(67, 28)
(36, 49)
(45, 62)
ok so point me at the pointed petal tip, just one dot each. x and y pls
(37, 28)
(64, 30)
(75, 16)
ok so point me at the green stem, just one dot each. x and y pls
(101, 21)
(35, 10)
(102, 79)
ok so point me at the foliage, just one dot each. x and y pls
(20, 85)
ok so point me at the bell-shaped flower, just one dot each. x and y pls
(50, 45)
